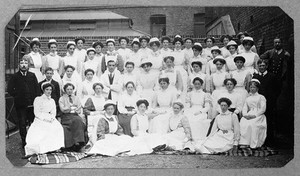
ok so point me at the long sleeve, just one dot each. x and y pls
(266, 55)
(121, 105)
(188, 99)
(186, 126)
(245, 109)
(88, 107)
(103, 64)
(236, 129)
(101, 129)
(239, 105)
(262, 106)
(11, 87)
(207, 101)
(64, 105)
(134, 125)
(120, 63)
(179, 81)
(61, 66)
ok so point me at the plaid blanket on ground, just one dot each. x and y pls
(262, 152)
(56, 158)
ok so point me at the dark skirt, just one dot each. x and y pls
(74, 130)
(124, 121)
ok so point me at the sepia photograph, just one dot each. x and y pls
(145, 86)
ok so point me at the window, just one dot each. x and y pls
(158, 25)
(251, 19)
(239, 26)
(199, 24)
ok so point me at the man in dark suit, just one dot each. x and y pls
(55, 94)
(278, 60)
(267, 89)
(23, 86)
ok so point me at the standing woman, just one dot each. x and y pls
(241, 48)
(179, 134)
(251, 58)
(225, 40)
(71, 59)
(209, 41)
(127, 107)
(87, 85)
(70, 78)
(232, 48)
(162, 103)
(188, 43)
(144, 51)
(80, 53)
(91, 63)
(93, 109)
(181, 62)
(112, 54)
(134, 55)
(45, 134)
(217, 78)
(128, 75)
(35, 61)
(147, 80)
(242, 77)
(123, 51)
(173, 75)
(98, 46)
(54, 61)
(253, 123)
(198, 106)
(155, 56)
(74, 128)
(198, 57)
(165, 50)
(225, 133)
(211, 67)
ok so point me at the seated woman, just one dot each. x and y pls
(45, 133)
(110, 140)
(93, 109)
(127, 107)
(225, 131)
(161, 107)
(198, 106)
(179, 134)
(143, 142)
(74, 128)
(253, 123)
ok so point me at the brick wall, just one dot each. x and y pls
(260, 22)
(179, 20)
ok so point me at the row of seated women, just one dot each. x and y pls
(165, 124)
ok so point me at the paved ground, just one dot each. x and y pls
(14, 154)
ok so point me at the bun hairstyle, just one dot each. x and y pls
(143, 101)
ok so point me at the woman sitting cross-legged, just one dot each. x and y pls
(45, 133)
(74, 128)
(253, 123)
(110, 138)
(143, 142)
(225, 133)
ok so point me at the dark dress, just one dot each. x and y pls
(74, 128)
